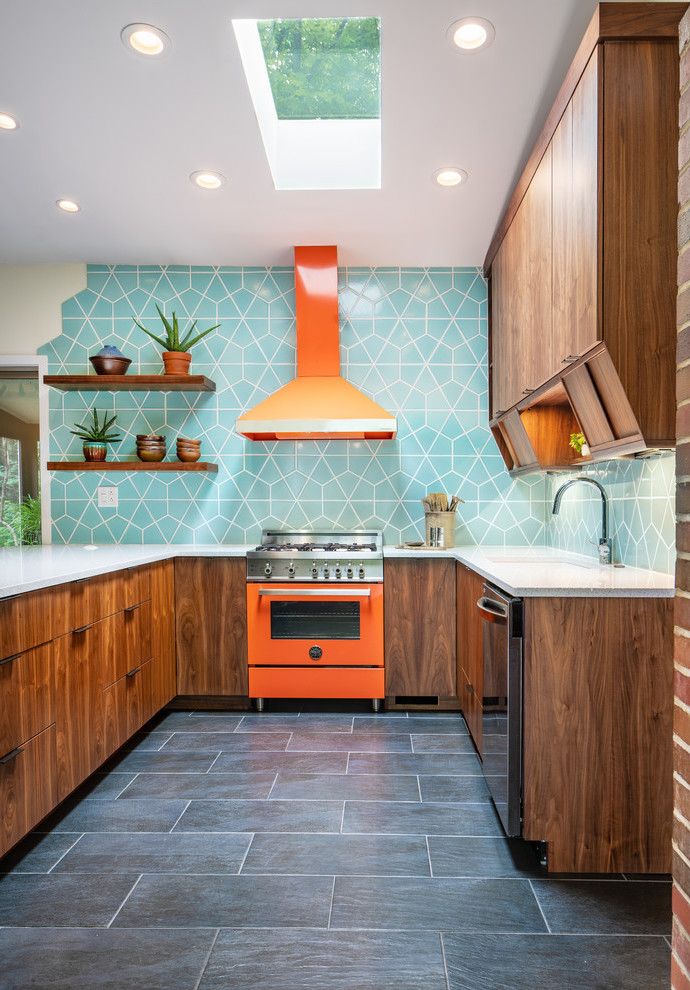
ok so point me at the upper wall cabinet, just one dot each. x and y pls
(582, 265)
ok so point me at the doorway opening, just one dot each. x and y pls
(24, 480)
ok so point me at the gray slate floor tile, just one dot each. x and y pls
(547, 962)
(148, 815)
(291, 762)
(341, 787)
(605, 907)
(227, 902)
(435, 904)
(294, 723)
(261, 816)
(104, 786)
(419, 725)
(200, 786)
(165, 762)
(154, 852)
(353, 855)
(421, 763)
(83, 959)
(357, 742)
(446, 742)
(227, 742)
(309, 960)
(449, 788)
(421, 819)
(59, 900)
(183, 722)
(485, 856)
(147, 742)
(37, 853)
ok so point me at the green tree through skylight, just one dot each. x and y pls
(327, 68)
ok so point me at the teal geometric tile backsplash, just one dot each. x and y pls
(415, 340)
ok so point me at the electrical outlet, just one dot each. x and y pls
(107, 498)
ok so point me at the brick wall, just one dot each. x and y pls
(680, 967)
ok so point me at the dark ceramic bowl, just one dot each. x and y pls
(104, 365)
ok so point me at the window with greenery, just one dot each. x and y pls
(324, 68)
(20, 518)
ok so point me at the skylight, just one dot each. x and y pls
(316, 88)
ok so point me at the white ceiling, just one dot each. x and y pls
(121, 133)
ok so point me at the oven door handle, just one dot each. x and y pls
(317, 592)
(492, 610)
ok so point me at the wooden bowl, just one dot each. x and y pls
(103, 365)
(150, 455)
(188, 456)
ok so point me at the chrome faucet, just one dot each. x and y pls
(605, 546)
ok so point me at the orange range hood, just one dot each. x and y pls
(318, 404)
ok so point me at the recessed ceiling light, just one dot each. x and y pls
(207, 180)
(145, 39)
(450, 176)
(469, 34)
(68, 206)
(8, 122)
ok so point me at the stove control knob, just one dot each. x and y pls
(326, 572)
(361, 573)
(291, 569)
(350, 572)
(338, 572)
(314, 571)
(268, 570)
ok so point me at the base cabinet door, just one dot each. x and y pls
(419, 629)
(28, 789)
(211, 626)
(80, 738)
(470, 660)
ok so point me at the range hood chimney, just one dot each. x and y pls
(318, 404)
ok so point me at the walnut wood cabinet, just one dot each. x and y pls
(82, 667)
(419, 632)
(582, 264)
(211, 626)
(469, 653)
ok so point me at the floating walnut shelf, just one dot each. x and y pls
(131, 383)
(132, 466)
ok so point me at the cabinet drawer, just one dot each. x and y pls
(131, 640)
(27, 700)
(27, 787)
(31, 619)
(97, 643)
(130, 702)
(94, 599)
(135, 585)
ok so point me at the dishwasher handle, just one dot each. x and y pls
(492, 610)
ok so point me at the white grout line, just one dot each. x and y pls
(443, 956)
(419, 789)
(330, 910)
(125, 901)
(541, 910)
(428, 855)
(128, 784)
(180, 815)
(206, 960)
(246, 853)
(213, 763)
(342, 820)
(64, 854)
(275, 781)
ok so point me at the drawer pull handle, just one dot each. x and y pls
(570, 357)
(133, 672)
(15, 656)
(133, 608)
(82, 629)
(527, 391)
(12, 755)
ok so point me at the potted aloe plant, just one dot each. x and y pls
(176, 356)
(96, 436)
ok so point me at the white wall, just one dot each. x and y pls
(31, 298)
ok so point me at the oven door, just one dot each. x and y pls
(329, 625)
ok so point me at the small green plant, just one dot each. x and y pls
(97, 432)
(172, 340)
(577, 442)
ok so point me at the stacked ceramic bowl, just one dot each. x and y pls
(150, 447)
(188, 451)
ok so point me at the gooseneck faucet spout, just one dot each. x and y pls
(605, 545)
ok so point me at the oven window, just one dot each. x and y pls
(315, 620)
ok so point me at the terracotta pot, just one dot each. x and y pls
(95, 451)
(176, 362)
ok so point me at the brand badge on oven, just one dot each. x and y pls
(315, 652)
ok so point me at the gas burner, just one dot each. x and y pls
(308, 557)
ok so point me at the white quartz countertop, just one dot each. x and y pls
(521, 571)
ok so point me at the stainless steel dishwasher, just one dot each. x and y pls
(502, 703)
